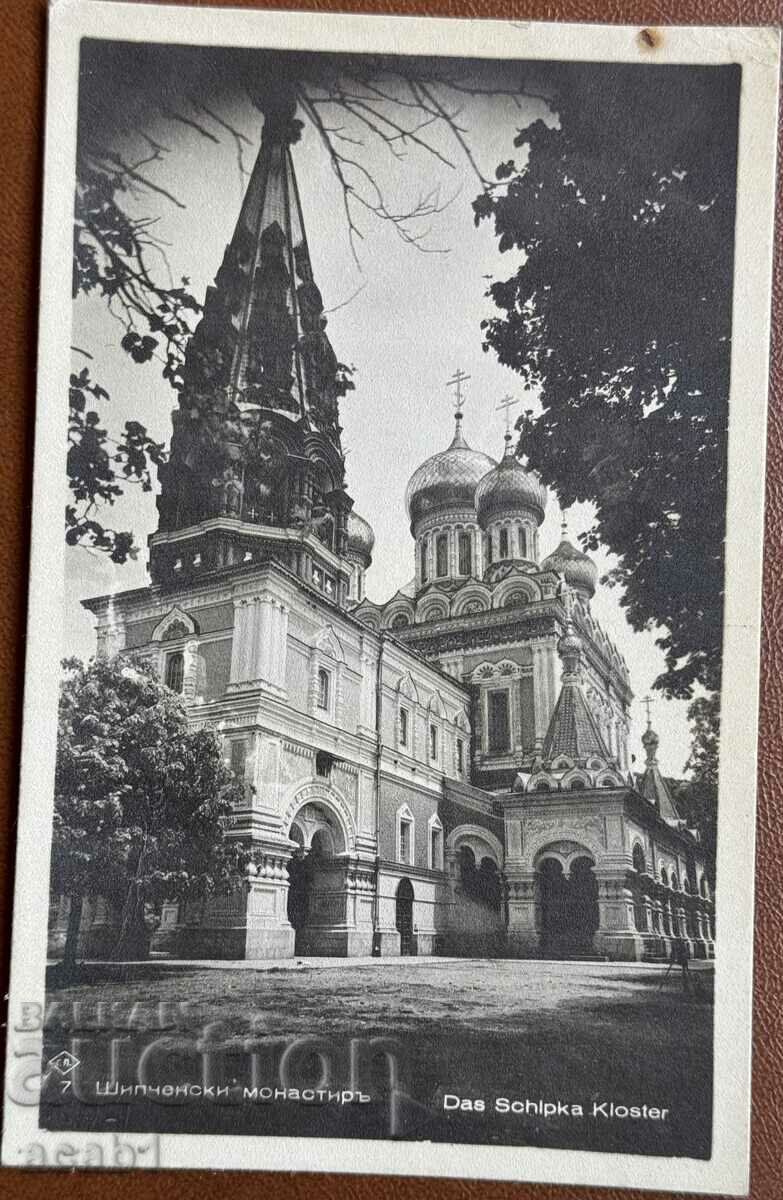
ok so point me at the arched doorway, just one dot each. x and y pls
(568, 906)
(404, 915)
(315, 875)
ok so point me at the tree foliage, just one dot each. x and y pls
(619, 220)
(142, 802)
(699, 795)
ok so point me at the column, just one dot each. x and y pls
(523, 934)
(240, 647)
(617, 936)
(542, 703)
(367, 693)
(267, 930)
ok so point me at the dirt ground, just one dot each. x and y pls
(581, 1036)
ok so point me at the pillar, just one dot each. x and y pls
(523, 933)
(617, 936)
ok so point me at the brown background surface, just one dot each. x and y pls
(22, 44)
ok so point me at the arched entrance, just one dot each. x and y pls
(404, 915)
(315, 875)
(567, 904)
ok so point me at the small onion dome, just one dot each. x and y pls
(509, 486)
(361, 538)
(570, 649)
(576, 567)
(650, 741)
(447, 480)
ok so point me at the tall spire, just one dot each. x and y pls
(261, 340)
(260, 353)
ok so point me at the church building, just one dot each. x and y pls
(444, 773)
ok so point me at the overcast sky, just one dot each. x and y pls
(414, 321)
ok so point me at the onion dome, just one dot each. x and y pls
(576, 567)
(509, 487)
(447, 480)
(361, 538)
(650, 741)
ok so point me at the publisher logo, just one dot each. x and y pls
(64, 1062)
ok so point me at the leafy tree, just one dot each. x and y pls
(142, 802)
(699, 795)
(620, 222)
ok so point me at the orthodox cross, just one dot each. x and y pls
(507, 403)
(456, 381)
(648, 702)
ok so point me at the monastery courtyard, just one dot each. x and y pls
(576, 1032)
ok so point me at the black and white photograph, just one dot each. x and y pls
(379, 788)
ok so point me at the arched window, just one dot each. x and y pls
(423, 555)
(435, 846)
(503, 551)
(543, 786)
(638, 859)
(404, 726)
(464, 566)
(488, 550)
(664, 877)
(405, 835)
(522, 542)
(175, 671)
(324, 687)
(441, 555)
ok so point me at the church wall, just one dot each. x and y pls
(138, 633)
(216, 661)
(423, 805)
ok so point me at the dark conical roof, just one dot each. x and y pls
(261, 340)
(572, 729)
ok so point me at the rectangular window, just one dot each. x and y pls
(404, 726)
(504, 543)
(441, 555)
(238, 759)
(436, 849)
(497, 721)
(405, 841)
(434, 743)
(324, 687)
(460, 756)
(464, 554)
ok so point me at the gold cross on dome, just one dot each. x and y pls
(507, 403)
(458, 378)
(648, 702)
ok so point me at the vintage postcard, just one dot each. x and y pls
(387, 787)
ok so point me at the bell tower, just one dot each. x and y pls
(256, 469)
